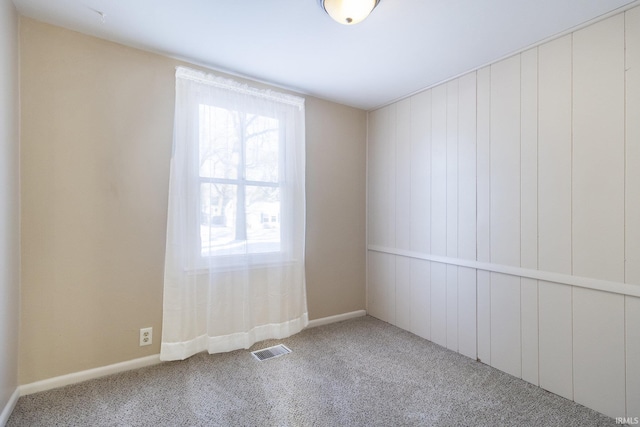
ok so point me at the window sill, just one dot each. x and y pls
(224, 267)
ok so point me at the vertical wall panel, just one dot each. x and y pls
(554, 153)
(439, 303)
(598, 145)
(381, 284)
(452, 213)
(529, 316)
(389, 160)
(403, 288)
(529, 159)
(403, 174)
(421, 172)
(374, 204)
(632, 199)
(505, 324)
(632, 342)
(556, 351)
(439, 170)
(505, 214)
(452, 168)
(529, 212)
(467, 167)
(381, 299)
(505, 162)
(452, 307)
(382, 155)
(421, 298)
(375, 177)
(466, 309)
(483, 279)
(483, 184)
(439, 213)
(598, 351)
(467, 344)
(483, 133)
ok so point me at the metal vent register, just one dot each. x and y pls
(271, 352)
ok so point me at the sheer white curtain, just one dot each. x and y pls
(234, 265)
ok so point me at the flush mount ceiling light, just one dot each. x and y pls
(349, 12)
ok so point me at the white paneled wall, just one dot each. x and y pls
(632, 208)
(419, 223)
(438, 214)
(504, 215)
(466, 215)
(452, 213)
(529, 212)
(556, 352)
(483, 211)
(554, 156)
(632, 147)
(504, 178)
(632, 346)
(598, 150)
(598, 350)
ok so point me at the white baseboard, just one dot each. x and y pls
(8, 409)
(78, 377)
(337, 318)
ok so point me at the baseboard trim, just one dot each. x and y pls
(8, 408)
(337, 318)
(90, 374)
(78, 377)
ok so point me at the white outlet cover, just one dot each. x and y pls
(146, 336)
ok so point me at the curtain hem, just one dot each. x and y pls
(243, 340)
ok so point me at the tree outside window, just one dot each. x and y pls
(240, 179)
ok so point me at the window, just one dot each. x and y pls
(234, 269)
(239, 175)
(237, 183)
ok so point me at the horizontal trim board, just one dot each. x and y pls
(8, 409)
(337, 318)
(89, 374)
(565, 279)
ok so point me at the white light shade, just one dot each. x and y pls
(349, 12)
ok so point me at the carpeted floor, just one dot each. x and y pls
(361, 372)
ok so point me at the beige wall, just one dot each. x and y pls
(97, 122)
(336, 154)
(9, 203)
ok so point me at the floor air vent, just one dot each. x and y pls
(271, 352)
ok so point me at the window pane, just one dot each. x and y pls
(218, 220)
(263, 219)
(224, 231)
(236, 218)
(220, 143)
(262, 148)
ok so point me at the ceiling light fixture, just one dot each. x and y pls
(349, 12)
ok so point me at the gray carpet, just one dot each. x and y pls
(361, 372)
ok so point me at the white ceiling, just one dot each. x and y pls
(404, 46)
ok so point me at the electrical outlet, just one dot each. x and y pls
(146, 336)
